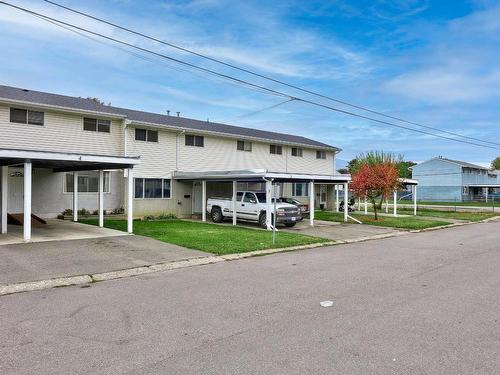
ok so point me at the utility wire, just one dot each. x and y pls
(240, 81)
(253, 113)
(256, 74)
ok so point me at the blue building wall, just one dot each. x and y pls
(438, 180)
(442, 180)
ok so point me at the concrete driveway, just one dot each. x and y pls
(51, 259)
(338, 231)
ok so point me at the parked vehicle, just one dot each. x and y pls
(303, 208)
(252, 206)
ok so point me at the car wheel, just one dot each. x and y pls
(262, 220)
(216, 215)
(289, 225)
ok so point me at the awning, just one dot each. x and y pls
(408, 181)
(66, 162)
(259, 175)
(484, 185)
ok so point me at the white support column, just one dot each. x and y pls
(235, 187)
(336, 198)
(366, 206)
(486, 194)
(346, 198)
(395, 203)
(204, 200)
(75, 196)
(27, 202)
(130, 201)
(386, 206)
(101, 198)
(5, 197)
(311, 203)
(269, 205)
(415, 200)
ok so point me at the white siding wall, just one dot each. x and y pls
(62, 132)
(221, 154)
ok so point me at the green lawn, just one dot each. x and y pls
(383, 221)
(212, 238)
(469, 216)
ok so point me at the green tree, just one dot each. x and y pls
(495, 164)
(378, 157)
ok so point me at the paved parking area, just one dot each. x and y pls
(51, 259)
(338, 231)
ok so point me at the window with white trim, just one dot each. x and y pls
(146, 135)
(26, 116)
(194, 140)
(96, 125)
(320, 154)
(276, 149)
(300, 189)
(152, 188)
(88, 182)
(297, 152)
(244, 146)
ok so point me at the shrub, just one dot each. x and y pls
(163, 216)
(67, 212)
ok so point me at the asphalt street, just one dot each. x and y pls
(426, 303)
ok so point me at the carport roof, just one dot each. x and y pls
(259, 175)
(61, 162)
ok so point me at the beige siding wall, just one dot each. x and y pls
(62, 132)
(157, 158)
(221, 154)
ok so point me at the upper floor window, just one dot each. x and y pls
(297, 151)
(276, 149)
(96, 125)
(25, 116)
(194, 140)
(244, 146)
(320, 154)
(146, 135)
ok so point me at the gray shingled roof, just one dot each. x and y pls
(463, 163)
(75, 103)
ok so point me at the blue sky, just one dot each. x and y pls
(432, 62)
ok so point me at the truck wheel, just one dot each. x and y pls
(262, 220)
(216, 215)
(289, 225)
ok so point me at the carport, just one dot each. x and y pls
(485, 188)
(61, 162)
(270, 179)
(405, 182)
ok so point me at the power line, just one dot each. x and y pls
(256, 74)
(240, 81)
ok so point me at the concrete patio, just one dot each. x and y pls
(56, 230)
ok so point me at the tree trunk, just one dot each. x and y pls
(374, 204)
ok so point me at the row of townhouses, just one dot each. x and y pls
(155, 163)
(442, 179)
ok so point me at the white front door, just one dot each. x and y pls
(197, 198)
(322, 194)
(16, 191)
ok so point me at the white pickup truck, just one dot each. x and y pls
(252, 206)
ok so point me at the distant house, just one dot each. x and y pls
(442, 179)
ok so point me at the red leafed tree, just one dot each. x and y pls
(375, 180)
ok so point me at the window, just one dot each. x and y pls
(300, 190)
(249, 198)
(276, 149)
(244, 146)
(96, 125)
(24, 116)
(239, 194)
(320, 154)
(146, 135)
(87, 183)
(194, 140)
(296, 151)
(152, 188)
